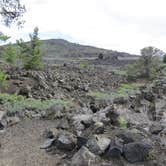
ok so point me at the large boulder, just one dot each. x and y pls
(81, 121)
(129, 136)
(115, 149)
(98, 144)
(83, 158)
(66, 141)
(136, 151)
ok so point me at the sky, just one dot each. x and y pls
(122, 25)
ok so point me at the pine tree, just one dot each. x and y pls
(31, 52)
(10, 55)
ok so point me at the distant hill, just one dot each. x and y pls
(62, 48)
(62, 51)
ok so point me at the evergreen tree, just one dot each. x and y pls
(31, 52)
(10, 55)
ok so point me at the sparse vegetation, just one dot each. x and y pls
(84, 65)
(3, 80)
(123, 91)
(120, 72)
(122, 122)
(99, 95)
(16, 103)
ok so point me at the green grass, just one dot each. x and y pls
(120, 72)
(123, 91)
(99, 95)
(84, 65)
(17, 103)
(127, 89)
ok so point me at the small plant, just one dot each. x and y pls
(99, 95)
(3, 80)
(84, 65)
(122, 122)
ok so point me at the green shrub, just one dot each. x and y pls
(10, 55)
(147, 67)
(132, 72)
(99, 95)
(123, 91)
(3, 80)
(16, 103)
(123, 123)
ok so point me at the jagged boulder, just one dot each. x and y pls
(83, 158)
(136, 151)
(129, 136)
(115, 149)
(66, 141)
(98, 144)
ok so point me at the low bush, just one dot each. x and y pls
(3, 80)
(16, 103)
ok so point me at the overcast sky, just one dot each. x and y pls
(123, 25)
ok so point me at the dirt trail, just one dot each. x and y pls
(20, 145)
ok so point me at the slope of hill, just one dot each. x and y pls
(62, 51)
(63, 48)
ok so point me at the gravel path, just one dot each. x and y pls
(20, 145)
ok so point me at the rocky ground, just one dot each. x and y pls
(98, 130)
